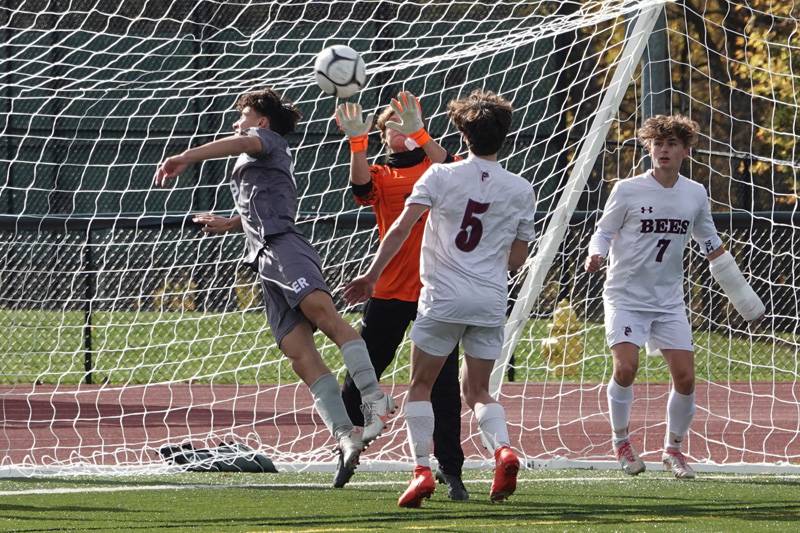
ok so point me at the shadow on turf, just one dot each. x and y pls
(645, 509)
(511, 513)
(516, 512)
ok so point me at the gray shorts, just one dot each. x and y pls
(289, 270)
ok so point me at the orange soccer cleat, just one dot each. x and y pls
(422, 486)
(505, 474)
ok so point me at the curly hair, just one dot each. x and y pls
(664, 126)
(282, 114)
(484, 118)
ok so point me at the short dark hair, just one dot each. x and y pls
(282, 114)
(484, 118)
(665, 126)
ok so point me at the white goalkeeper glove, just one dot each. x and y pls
(409, 111)
(349, 119)
(739, 292)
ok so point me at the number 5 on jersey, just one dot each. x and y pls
(471, 227)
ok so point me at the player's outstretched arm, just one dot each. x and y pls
(360, 289)
(216, 225)
(409, 111)
(351, 122)
(171, 167)
(739, 292)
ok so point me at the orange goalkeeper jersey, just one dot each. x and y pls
(387, 192)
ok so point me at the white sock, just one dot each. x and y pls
(619, 409)
(419, 424)
(356, 359)
(680, 412)
(328, 403)
(492, 423)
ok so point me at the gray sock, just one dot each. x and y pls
(329, 405)
(358, 363)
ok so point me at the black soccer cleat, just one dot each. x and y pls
(455, 487)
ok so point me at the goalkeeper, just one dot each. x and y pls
(392, 307)
(646, 224)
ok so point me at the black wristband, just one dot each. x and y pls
(361, 190)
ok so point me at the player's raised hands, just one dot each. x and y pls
(593, 263)
(350, 121)
(360, 289)
(409, 111)
(171, 167)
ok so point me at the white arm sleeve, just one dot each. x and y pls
(704, 232)
(738, 291)
(425, 189)
(525, 229)
(610, 223)
(600, 243)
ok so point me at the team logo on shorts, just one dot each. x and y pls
(627, 331)
(299, 285)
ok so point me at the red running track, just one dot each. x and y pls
(735, 422)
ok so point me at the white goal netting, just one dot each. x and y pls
(124, 329)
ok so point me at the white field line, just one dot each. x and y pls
(386, 483)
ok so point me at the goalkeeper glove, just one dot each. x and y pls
(348, 117)
(407, 108)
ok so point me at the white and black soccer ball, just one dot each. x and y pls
(340, 71)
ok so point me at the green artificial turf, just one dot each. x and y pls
(545, 500)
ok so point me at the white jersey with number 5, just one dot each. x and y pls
(651, 225)
(477, 209)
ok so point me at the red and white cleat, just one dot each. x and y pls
(675, 461)
(422, 486)
(505, 474)
(628, 459)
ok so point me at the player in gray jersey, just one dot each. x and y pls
(296, 297)
(646, 225)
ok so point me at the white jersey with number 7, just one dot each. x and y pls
(477, 210)
(651, 225)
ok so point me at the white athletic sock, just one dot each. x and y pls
(356, 359)
(492, 423)
(419, 424)
(619, 409)
(680, 412)
(328, 403)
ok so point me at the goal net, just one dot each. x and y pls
(125, 329)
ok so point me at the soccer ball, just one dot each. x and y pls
(340, 71)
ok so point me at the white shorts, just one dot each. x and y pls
(439, 338)
(668, 330)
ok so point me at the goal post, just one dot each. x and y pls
(551, 240)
